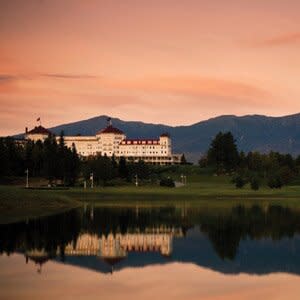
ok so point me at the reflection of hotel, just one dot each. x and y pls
(115, 247)
(112, 248)
(112, 141)
(38, 256)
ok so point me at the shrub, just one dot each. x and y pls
(254, 184)
(239, 182)
(275, 182)
(168, 182)
(286, 175)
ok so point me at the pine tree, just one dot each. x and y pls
(183, 160)
(223, 152)
(4, 158)
(123, 169)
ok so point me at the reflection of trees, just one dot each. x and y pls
(52, 234)
(224, 235)
(126, 220)
(225, 229)
(46, 234)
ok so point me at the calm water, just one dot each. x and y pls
(162, 252)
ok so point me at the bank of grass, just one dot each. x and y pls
(17, 203)
(206, 190)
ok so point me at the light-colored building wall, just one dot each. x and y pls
(157, 151)
(100, 144)
(36, 137)
(142, 148)
(111, 141)
(108, 143)
(85, 145)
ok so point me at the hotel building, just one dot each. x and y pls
(111, 141)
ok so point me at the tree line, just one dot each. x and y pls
(106, 170)
(53, 160)
(49, 159)
(273, 168)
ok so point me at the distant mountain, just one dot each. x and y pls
(252, 132)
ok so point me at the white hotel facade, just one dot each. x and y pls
(111, 141)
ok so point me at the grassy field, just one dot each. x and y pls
(18, 203)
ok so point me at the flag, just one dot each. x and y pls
(38, 119)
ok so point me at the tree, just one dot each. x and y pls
(122, 168)
(62, 157)
(106, 169)
(47, 159)
(203, 162)
(115, 166)
(4, 158)
(254, 161)
(223, 154)
(37, 159)
(50, 158)
(239, 182)
(15, 157)
(28, 155)
(254, 183)
(275, 182)
(72, 166)
(242, 161)
(183, 160)
(140, 169)
(286, 174)
(101, 167)
(297, 161)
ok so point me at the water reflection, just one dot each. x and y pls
(240, 239)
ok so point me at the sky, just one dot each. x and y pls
(159, 61)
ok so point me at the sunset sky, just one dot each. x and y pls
(166, 61)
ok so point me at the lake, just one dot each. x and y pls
(148, 252)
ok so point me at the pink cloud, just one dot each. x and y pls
(192, 87)
(284, 39)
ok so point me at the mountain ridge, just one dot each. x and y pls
(252, 132)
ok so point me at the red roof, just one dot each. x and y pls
(39, 130)
(110, 129)
(165, 134)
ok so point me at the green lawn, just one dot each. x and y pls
(198, 187)
(17, 203)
